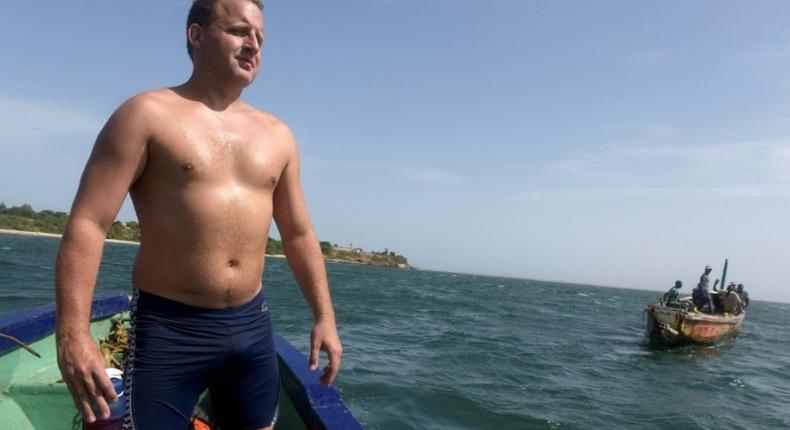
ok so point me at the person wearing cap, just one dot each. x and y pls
(701, 295)
(671, 297)
(704, 281)
(701, 298)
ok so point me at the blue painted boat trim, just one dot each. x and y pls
(36, 323)
(321, 408)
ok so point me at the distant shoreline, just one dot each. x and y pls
(38, 233)
(125, 242)
(23, 220)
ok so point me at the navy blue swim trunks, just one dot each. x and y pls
(177, 351)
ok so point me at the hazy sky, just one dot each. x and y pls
(614, 143)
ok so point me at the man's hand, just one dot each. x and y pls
(324, 338)
(82, 367)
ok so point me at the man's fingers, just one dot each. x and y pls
(330, 371)
(101, 406)
(329, 375)
(103, 393)
(315, 351)
(334, 360)
(324, 338)
(105, 387)
(87, 412)
(82, 367)
(96, 397)
(91, 394)
(82, 401)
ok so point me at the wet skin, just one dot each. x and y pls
(207, 173)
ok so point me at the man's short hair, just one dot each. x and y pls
(202, 14)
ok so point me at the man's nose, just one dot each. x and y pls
(251, 43)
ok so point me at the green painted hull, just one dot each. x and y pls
(32, 394)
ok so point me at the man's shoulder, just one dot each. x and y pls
(137, 114)
(261, 117)
(267, 122)
(154, 101)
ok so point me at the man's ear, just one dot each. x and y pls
(195, 35)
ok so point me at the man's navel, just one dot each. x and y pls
(187, 166)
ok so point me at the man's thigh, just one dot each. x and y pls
(244, 395)
(169, 364)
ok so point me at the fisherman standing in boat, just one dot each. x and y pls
(704, 280)
(701, 296)
(206, 173)
(701, 299)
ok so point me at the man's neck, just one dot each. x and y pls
(209, 90)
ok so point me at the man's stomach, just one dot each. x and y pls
(213, 262)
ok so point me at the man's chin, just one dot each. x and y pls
(242, 80)
(246, 77)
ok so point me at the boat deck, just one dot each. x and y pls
(34, 396)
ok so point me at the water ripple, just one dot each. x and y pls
(429, 350)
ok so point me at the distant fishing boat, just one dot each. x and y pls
(670, 325)
(33, 395)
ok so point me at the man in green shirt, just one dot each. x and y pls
(671, 297)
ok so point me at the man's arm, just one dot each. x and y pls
(117, 160)
(307, 264)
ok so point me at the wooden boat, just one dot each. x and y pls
(33, 395)
(673, 325)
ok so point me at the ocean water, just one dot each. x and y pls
(430, 350)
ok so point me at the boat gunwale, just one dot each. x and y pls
(321, 408)
(724, 319)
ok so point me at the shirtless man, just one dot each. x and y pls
(206, 173)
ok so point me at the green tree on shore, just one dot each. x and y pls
(274, 247)
(25, 218)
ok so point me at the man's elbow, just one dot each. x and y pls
(86, 227)
(297, 237)
(294, 232)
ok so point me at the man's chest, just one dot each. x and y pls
(212, 154)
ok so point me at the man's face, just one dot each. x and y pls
(232, 42)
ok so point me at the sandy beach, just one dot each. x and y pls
(36, 233)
